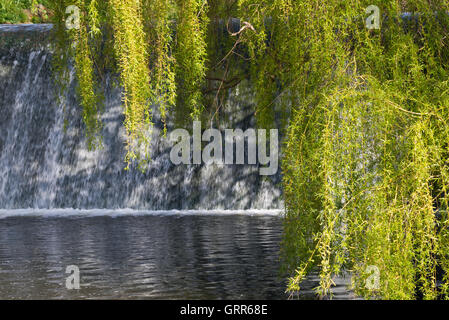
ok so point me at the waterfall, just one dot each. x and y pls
(45, 163)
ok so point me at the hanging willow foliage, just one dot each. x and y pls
(160, 15)
(364, 114)
(365, 157)
(131, 54)
(88, 28)
(191, 53)
(145, 45)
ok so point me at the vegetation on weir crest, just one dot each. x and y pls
(24, 11)
(364, 113)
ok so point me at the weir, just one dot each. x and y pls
(45, 163)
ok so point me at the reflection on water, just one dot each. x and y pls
(128, 255)
(189, 257)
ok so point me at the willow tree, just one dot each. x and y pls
(366, 154)
(363, 111)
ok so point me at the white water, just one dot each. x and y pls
(43, 166)
(70, 213)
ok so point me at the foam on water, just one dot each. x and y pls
(83, 213)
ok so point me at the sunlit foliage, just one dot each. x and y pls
(366, 153)
(364, 115)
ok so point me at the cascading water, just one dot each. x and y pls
(44, 161)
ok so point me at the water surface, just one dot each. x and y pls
(141, 255)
